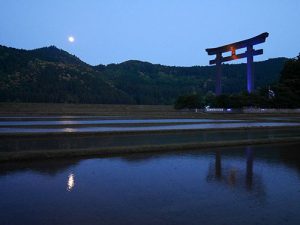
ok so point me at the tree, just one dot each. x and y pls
(288, 89)
(189, 102)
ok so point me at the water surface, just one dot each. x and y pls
(108, 121)
(245, 185)
(148, 128)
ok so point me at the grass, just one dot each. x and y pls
(136, 111)
(82, 109)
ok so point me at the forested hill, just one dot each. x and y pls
(152, 84)
(53, 75)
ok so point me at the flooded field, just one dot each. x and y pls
(27, 125)
(241, 185)
(23, 137)
(83, 121)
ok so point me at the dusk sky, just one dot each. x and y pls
(170, 32)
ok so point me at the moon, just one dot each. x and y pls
(71, 39)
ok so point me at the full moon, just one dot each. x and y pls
(71, 39)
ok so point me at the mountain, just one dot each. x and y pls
(52, 75)
(158, 84)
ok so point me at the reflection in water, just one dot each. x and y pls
(249, 167)
(69, 129)
(235, 176)
(43, 167)
(71, 182)
(107, 121)
(232, 177)
(200, 126)
(157, 189)
(218, 165)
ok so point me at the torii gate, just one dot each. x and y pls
(250, 52)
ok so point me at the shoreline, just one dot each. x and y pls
(104, 148)
(112, 110)
(111, 151)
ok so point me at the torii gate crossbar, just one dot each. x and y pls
(249, 54)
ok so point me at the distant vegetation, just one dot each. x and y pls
(53, 75)
(283, 94)
(288, 89)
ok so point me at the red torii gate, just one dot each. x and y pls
(250, 52)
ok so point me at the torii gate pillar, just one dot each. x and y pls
(219, 74)
(250, 78)
(249, 54)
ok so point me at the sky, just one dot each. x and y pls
(168, 32)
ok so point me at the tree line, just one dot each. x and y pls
(283, 94)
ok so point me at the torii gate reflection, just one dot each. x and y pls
(250, 52)
(236, 178)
